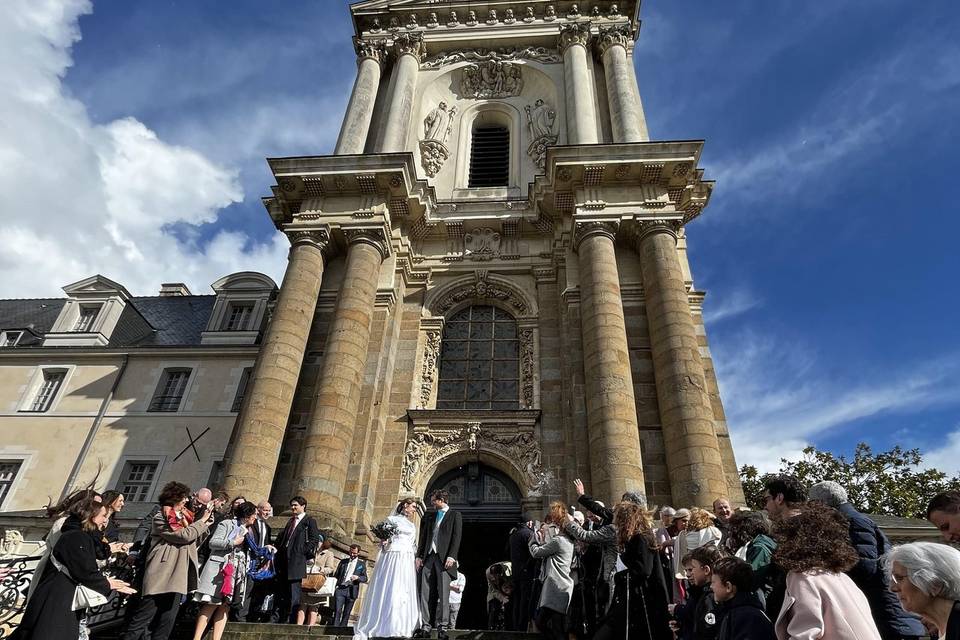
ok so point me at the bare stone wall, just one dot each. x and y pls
(573, 405)
(555, 440)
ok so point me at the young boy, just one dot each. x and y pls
(738, 611)
(695, 619)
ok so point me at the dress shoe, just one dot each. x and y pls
(421, 633)
(442, 634)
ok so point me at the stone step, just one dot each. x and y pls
(263, 631)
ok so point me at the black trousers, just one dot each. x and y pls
(153, 617)
(288, 599)
(551, 624)
(495, 615)
(520, 611)
(343, 605)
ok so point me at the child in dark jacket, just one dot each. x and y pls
(739, 612)
(695, 619)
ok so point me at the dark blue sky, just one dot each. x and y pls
(828, 251)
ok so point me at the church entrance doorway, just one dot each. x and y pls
(489, 503)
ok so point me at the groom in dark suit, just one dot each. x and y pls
(350, 573)
(437, 552)
(296, 544)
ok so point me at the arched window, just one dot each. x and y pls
(479, 361)
(489, 155)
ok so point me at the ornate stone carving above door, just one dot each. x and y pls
(491, 78)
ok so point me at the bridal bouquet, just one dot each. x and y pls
(384, 530)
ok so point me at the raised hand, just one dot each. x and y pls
(578, 485)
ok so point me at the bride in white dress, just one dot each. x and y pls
(391, 607)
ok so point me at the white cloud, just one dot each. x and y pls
(721, 306)
(946, 457)
(779, 397)
(78, 198)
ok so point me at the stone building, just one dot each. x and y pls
(488, 287)
(128, 392)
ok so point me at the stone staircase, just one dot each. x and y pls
(246, 631)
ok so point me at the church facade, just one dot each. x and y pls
(488, 287)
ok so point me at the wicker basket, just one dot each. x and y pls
(313, 581)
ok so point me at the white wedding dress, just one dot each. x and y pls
(391, 608)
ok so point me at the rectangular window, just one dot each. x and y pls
(8, 473)
(239, 315)
(173, 384)
(88, 315)
(136, 480)
(490, 157)
(10, 338)
(52, 380)
(241, 389)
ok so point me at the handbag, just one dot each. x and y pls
(83, 597)
(313, 581)
(328, 588)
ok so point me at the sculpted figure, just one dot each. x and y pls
(471, 18)
(508, 18)
(437, 124)
(529, 17)
(492, 17)
(453, 19)
(550, 13)
(540, 119)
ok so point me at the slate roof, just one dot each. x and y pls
(149, 321)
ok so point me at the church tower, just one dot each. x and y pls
(487, 288)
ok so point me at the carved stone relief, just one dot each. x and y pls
(541, 119)
(481, 288)
(527, 367)
(12, 539)
(428, 371)
(482, 244)
(425, 448)
(491, 78)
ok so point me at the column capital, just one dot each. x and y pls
(373, 49)
(409, 44)
(608, 37)
(587, 229)
(373, 236)
(649, 227)
(319, 238)
(573, 33)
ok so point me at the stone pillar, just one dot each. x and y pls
(254, 448)
(326, 447)
(626, 114)
(408, 47)
(611, 409)
(690, 440)
(356, 121)
(581, 114)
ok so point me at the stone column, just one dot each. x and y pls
(326, 447)
(581, 114)
(690, 440)
(408, 47)
(611, 409)
(626, 114)
(356, 121)
(254, 448)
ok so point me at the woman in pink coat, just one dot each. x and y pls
(821, 601)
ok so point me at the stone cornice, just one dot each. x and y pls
(572, 34)
(372, 49)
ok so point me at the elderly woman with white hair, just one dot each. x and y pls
(926, 578)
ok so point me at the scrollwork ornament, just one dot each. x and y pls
(614, 36)
(572, 34)
(373, 237)
(319, 238)
(527, 367)
(584, 230)
(373, 49)
(540, 54)
(409, 44)
(428, 372)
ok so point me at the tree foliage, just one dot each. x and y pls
(889, 483)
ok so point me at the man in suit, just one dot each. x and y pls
(258, 590)
(524, 569)
(296, 544)
(437, 552)
(350, 574)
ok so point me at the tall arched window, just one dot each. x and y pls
(489, 155)
(479, 361)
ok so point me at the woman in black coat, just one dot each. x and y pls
(639, 607)
(50, 613)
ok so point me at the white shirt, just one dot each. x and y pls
(351, 567)
(457, 596)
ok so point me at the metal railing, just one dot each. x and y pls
(13, 598)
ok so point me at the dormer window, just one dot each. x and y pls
(489, 156)
(238, 316)
(10, 338)
(87, 317)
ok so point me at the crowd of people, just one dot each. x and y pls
(808, 566)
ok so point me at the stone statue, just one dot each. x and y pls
(471, 18)
(492, 17)
(529, 17)
(438, 122)
(508, 17)
(12, 539)
(453, 21)
(432, 20)
(540, 119)
(550, 13)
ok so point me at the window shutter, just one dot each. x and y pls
(490, 157)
